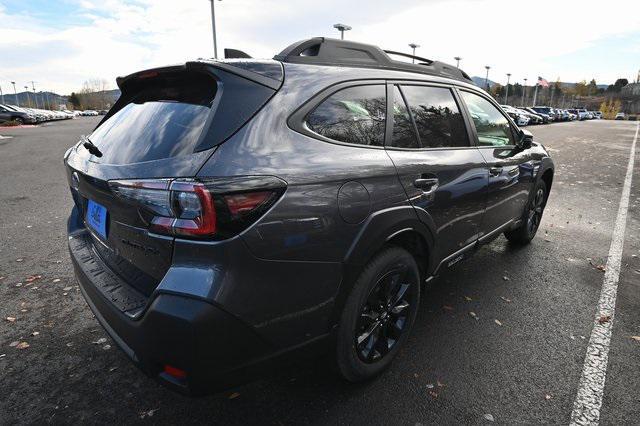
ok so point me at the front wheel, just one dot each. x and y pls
(531, 218)
(378, 314)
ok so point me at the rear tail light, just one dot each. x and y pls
(217, 208)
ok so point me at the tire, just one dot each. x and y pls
(19, 121)
(531, 218)
(392, 274)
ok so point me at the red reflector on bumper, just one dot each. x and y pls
(175, 372)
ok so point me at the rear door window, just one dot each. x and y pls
(404, 133)
(437, 117)
(353, 115)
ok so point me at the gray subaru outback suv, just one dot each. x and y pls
(231, 213)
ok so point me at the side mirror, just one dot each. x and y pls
(526, 139)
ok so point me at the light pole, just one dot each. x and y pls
(457, 58)
(33, 86)
(506, 93)
(486, 78)
(15, 93)
(213, 26)
(342, 28)
(1, 95)
(535, 93)
(26, 89)
(524, 91)
(413, 46)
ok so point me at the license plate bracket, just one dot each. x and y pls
(97, 218)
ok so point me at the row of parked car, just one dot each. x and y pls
(24, 115)
(524, 116)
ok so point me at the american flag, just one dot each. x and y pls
(542, 82)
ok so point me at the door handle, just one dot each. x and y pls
(495, 171)
(428, 185)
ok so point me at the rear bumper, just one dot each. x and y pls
(216, 349)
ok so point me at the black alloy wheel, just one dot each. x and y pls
(383, 317)
(535, 211)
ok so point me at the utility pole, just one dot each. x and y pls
(486, 78)
(213, 26)
(26, 89)
(413, 46)
(342, 28)
(553, 89)
(535, 95)
(524, 91)
(506, 94)
(15, 93)
(1, 95)
(563, 100)
(457, 58)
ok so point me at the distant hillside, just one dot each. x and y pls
(479, 81)
(27, 99)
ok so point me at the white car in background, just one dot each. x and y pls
(518, 116)
(90, 112)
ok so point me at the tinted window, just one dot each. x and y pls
(353, 115)
(159, 122)
(437, 116)
(404, 134)
(491, 125)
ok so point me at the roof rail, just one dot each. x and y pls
(329, 51)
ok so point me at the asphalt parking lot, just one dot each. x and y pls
(500, 339)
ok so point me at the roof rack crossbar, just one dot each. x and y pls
(410, 56)
(334, 52)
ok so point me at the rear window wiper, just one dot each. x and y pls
(90, 146)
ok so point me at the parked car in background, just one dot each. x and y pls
(548, 111)
(621, 116)
(89, 113)
(294, 210)
(8, 113)
(596, 114)
(582, 114)
(545, 117)
(533, 118)
(520, 118)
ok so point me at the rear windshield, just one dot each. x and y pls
(164, 118)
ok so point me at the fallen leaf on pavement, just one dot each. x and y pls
(547, 397)
(440, 384)
(100, 341)
(506, 278)
(497, 322)
(473, 314)
(112, 369)
(234, 395)
(35, 333)
(3, 355)
(22, 345)
(430, 386)
(489, 417)
(106, 347)
(67, 288)
(468, 299)
(32, 278)
(505, 299)
(447, 308)
(636, 338)
(149, 413)
(57, 280)
(10, 319)
(19, 259)
(433, 394)
(604, 319)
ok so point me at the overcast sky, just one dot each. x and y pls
(59, 44)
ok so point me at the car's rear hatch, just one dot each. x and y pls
(165, 125)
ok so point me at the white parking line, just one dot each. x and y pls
(586, 407)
